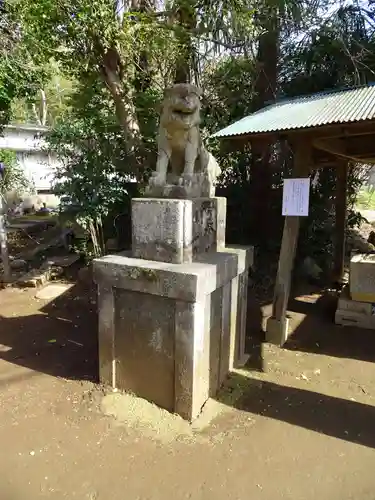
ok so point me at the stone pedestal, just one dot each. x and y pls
(177, 231)
(172, 312)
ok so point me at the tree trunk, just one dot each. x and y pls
(125, 110)
(185, 17)
(265, 89)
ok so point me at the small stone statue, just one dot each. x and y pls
(192, 169)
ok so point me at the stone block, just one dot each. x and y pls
(106, 328)
(209, 218)
(356, 319)
(225, 340)
(192, 356)
(177, 230)
(144, 345)
(178, 281)
(362, 277)
(167, 331)
(346, 303)
(162, 230)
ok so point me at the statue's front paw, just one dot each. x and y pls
(157, 179)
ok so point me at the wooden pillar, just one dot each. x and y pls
(277, 324)
(340, 221)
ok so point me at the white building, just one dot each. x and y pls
(28, 144)
(39, 166)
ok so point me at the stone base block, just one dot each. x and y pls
(346, 303)
(170, 333)
(362, 277)
(176, 231)
(277, 331)
(352, 318)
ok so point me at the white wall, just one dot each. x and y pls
(38, 167)
(27, 142)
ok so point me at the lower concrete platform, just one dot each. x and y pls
(170, 333)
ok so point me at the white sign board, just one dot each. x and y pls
(296, 193)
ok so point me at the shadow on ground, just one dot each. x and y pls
(59, 340)
(312, 313)
(340, 418)
(319, 334)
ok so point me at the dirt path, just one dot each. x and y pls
(304, 429)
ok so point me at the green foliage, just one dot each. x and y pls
(228, 90)
(19, 76)
(116, 62)
(47, 104)
(94, 170)
(337, 53)
(366, 199)
(14, 179)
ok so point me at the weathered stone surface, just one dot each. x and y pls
(183, 281)
(194, 170)
(216, 325)
(244, 256)
(176, 231)
(107, 333)
(238, 313)
(362, 277)
(191, 357)
(235, 326)
(144, 346)
(225, 338)
(162, 230)
(208, 228)
(145, 304)
(241, 319)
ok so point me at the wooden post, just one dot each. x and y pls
(340, 221)
(277, 325)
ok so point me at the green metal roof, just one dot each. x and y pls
(325, 108)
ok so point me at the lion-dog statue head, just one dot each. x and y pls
(181, 107)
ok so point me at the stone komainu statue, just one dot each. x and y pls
(184, 167)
